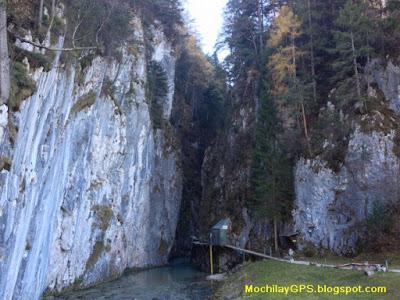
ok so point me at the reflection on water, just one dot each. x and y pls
(178, 281)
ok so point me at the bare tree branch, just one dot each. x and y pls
(75, 30)
(103, 23)
(50, 48)
(53, 7)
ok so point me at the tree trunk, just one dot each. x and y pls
(53, 8)
(294, 59)
(368, 78)
(276, 236)
(260, 24)
(303, 111)
(381, 28)
(276, 246)
(40, 20)
(4, 58)
(353, 49)
(53, 14)
(314, 83)
(274, 4)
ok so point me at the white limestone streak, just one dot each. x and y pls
(89, 193)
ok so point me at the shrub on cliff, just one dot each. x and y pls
(157, 90)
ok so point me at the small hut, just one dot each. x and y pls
(219, 235)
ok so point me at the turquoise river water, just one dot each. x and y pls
(176, 281)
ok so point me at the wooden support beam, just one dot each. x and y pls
(211, 261)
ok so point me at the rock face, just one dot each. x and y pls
(92, 188)
(330, 207)
(388, 80)
(226, 171)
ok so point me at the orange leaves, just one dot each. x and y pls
(286, 24)
(282, 62)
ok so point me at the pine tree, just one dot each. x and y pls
(314, 66)
(353, 43)
(312, 54)
(391, 28)
(271, 169)
(242, 36)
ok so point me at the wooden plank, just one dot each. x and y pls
(394, 270)
(256, 253)
(297, 262)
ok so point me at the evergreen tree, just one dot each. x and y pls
(202, 83)
(271, 169)
(353, 45)
(312, 46)
(391, 29)
(243, 34)
(317, 18)
(167, 12)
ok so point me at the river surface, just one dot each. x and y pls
(179, 280)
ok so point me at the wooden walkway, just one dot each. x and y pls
(298, 262)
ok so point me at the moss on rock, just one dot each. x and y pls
(104, 214)
(108, 90)
(396, 143)
(164, 247)
(83, 102)
(22, 86)
(36, 60)
(5, 163)
(12, 130)
(97, 251)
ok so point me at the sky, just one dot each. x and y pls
(207, 16)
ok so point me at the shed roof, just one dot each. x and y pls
(224, 224)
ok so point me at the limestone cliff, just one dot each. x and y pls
(331, 206)
(90, 186)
